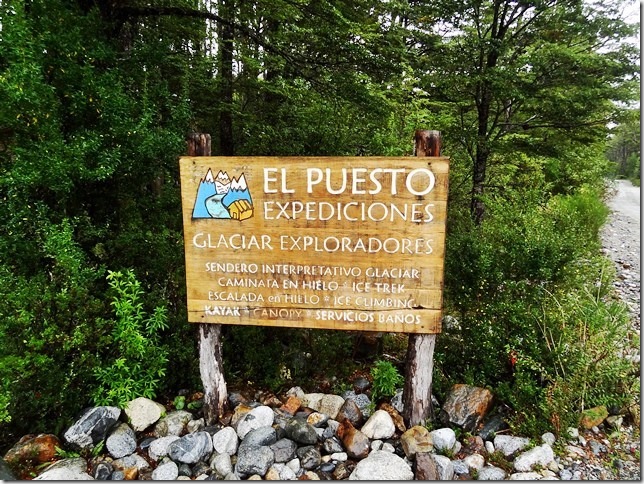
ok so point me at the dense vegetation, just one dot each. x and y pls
(98, 97)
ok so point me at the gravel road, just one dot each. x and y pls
(621, 238)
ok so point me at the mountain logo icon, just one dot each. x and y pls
(221, 197)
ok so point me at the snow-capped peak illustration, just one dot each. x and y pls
(209, 178)
(223, 178)
(239, 184)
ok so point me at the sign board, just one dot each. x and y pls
(330, 243)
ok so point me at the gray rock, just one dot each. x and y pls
(5, 472)
(225, 441)
(330, 405)
(103, 471)
(509, 445)
(191, 448)
(397, 402)
(361, 400)
(443, 439)
(492, 425)
(118, 476)
(361, 384)
(379, 426)
(280, 472)
(298, 430)
(460, 467)
(166, 471)
(66, 470)
(160, 447)
(284, 450)
(491, 473)
(184, 470)
(381, 465)
(254, 460)
(143, 412)
(332, 445)
(295, 466)
(445, 467)
(309, 457)
(222, 464)
(549, 438)
(261, 416)
(541, 455)
(260, 436)
(474, 462)
(121, 442)
(92, 427)
(131, 461)
(312, 400)
(525, 476)
(173, 423)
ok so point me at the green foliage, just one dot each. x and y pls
(140, 361)
(386, 380)
(532, 317)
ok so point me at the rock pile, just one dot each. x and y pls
(302, 436)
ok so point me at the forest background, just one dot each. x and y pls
(537, 102)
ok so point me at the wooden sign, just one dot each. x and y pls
(330, 243)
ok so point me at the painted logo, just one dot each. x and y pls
(222, 198)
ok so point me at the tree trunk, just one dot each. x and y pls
(210, 356)
(417, 394)
(226, 59)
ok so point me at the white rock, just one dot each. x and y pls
(383, 466)
(379, 426)
(339, 456)
(312, 400)
(167, 471)
(444, 466)
(121, 441)
(222, 464)
(489, 447)
(74, 469)
(330, 405)
(549, 438)
(294, 465)
(525, 476)
(491, 473)
(143, 412)
(225, 441)
(443, 439)
(161, 446)
(541, 455)
(509, 445)
(474, 462)
(261, 416)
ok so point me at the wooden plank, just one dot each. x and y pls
(363, 237)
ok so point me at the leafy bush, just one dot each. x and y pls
(140, 361)
(386, 380)
(531, 317)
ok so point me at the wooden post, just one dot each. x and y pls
(417, 394)
(210, 359)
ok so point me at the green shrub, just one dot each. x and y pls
(386, 380)
(140, 361)
(533, 320)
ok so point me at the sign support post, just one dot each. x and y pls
(210, 355)
(417, 393)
